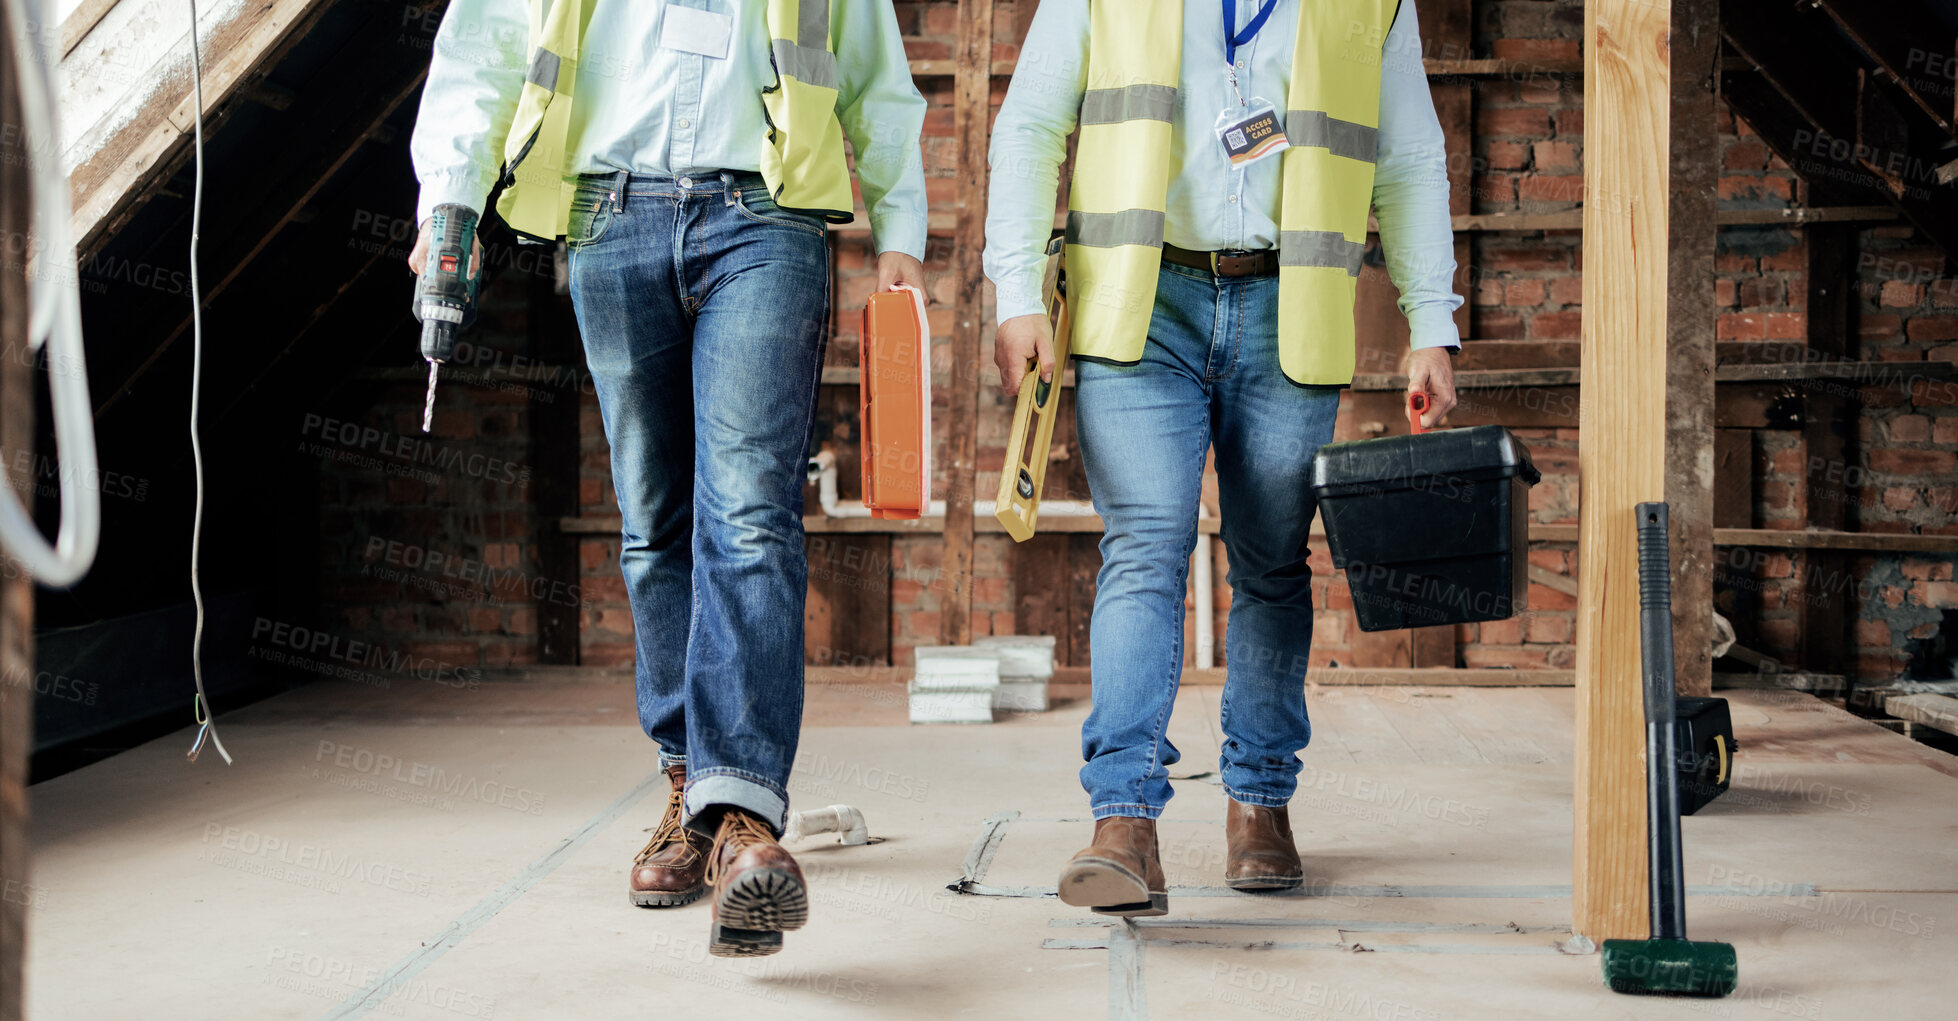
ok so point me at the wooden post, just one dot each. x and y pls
(972, 112)
(1829, 416)
(16, 591)
(1621, 447)
(1448, 33)
(558, 454)
(1690, 315)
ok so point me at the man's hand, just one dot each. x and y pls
(894, 268)
(1430, 371)
(1019, 339)
(418, 255)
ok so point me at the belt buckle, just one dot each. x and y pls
(1216, 264)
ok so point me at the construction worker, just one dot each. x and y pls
(1217, 219)
(691, 154)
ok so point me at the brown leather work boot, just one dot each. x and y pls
(758, 890)
(672, 868)
(1259, 852)
(1119, 873)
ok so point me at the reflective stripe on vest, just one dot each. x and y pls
(801, 157)
(1121, 178)
(536, 198)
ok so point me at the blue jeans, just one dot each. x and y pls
(704, 310)
(1209, 375)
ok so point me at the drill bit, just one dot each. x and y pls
(428, 408)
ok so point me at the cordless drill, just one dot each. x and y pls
(445, 296)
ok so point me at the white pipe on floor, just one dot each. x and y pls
(822, 468)
(844, 820)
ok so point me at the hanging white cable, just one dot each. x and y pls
(201, 706)
(54, 322)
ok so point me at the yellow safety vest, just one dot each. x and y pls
(801, 159)
(1122, 165)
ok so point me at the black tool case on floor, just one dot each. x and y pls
(1431, 528)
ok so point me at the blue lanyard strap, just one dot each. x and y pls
(1232, 38)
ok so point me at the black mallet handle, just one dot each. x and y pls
(1661, 754)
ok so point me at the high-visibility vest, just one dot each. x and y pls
(1121, 179)
(801, 158)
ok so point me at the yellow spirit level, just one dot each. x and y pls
(1025, 471)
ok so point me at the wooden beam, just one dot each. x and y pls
(16, 590)
(109, 184)
(972, 116)
(1448, 29)
(1829, 422)
(555, 419)
(1621, 449)
(1690, 313)
(1939, 712)
(295, 190)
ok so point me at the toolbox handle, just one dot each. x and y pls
(1416, 404)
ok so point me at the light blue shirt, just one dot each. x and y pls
(647, 105)
(1211, 205)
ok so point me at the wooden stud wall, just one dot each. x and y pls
(1621, 453)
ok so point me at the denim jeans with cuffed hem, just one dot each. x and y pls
(1209, 375)
(704, 310)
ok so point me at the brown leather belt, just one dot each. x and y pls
(1224, 264)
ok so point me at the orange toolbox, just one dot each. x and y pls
(895, 391)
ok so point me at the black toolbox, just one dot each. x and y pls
(1704, 730)
(1430, 528)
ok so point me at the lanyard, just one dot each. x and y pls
(1232, 38)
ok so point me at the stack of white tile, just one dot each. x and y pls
(1026, 664)
(954, 684)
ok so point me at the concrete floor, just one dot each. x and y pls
(427, 852)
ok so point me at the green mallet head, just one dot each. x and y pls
(1670, 967)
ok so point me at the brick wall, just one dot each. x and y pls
(1526, 157)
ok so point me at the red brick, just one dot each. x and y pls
(1490, 325)
(1739, 326)
(1543, 188)
(1784, 325)
(1567, 290)
(1556, 157)
(1745, 156)
(1926, 570)
(1516, 657)
(1554, 629)
(1907, 461)
(1524, 293)
(1516, 121)
(1502, 632)
(1909, 429)
(1879, 326)
(1723, 293)
(1938, 595)
(1945, 429)
(1899, 498)
(1932, 328)
(1759, 291)
(1508, 155)
(1557, 325)
(1902, 294)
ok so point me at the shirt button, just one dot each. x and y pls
(685, 123)
(1233, 198)
(686, 182)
